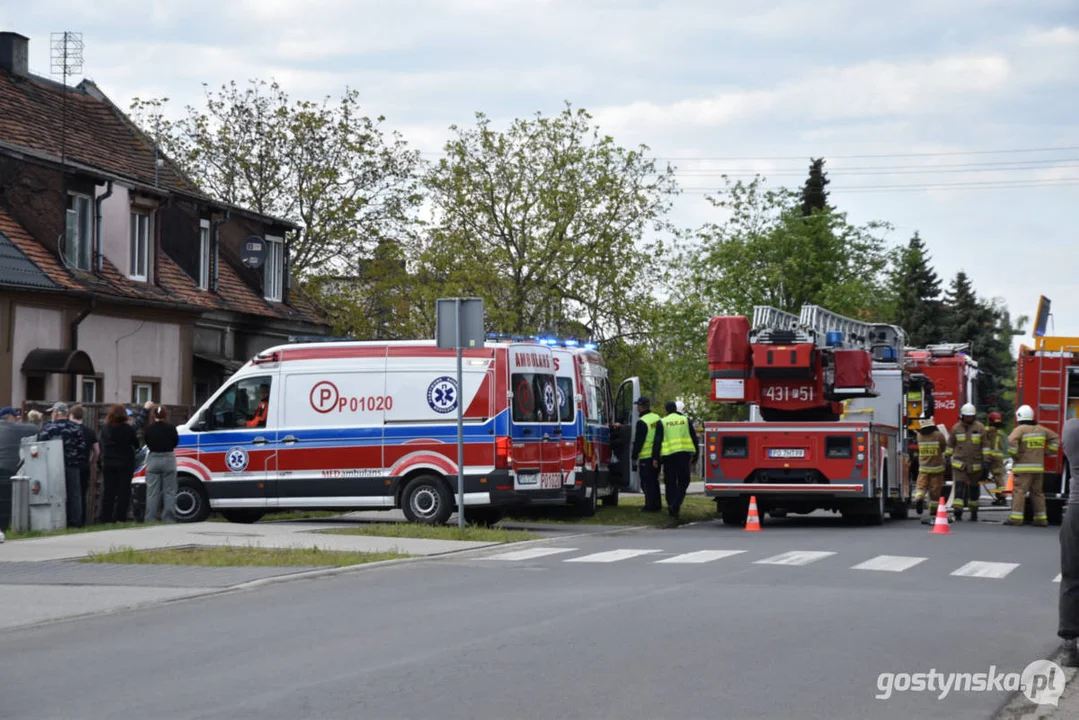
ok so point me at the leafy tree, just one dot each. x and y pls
(916, 287)
(323, 165)
(814, 194)
(547, 222)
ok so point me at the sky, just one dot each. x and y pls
(953, 118)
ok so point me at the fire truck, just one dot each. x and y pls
(1047, 379)
(802, 450)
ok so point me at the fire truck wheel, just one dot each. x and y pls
(899, 510)
(875, 511)
(427, 500)
(734, 513)
(610, 500)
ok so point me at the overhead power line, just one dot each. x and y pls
(970, 185)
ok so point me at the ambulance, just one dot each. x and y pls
(594, 471)
(373, 426)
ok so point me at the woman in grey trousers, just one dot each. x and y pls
(161, 441)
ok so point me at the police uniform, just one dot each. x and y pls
(675, 445)
(1028, 445)
(966, 450)
(645, 438)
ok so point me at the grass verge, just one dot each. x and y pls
(695, 508)
(472, 533)
(76, 531)
(231, 556)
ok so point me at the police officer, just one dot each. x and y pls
(931, 444)
(675, 446)
(966, 448)
(645, 437)
(994, 456)
(1028, 445)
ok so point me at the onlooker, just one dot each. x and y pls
(1069, 551)
(161, 440)
(119, 443)
(74, 451)
(11, 436)
(93, 452)
(9, 414)
(34, 417)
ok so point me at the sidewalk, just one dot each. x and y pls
(1067, 708)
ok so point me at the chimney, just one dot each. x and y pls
(14, 53)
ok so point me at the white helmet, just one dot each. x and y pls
(1025, 414)
(681, 407)
(968, 410)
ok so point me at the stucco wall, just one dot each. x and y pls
(121, 349)
(35, 328)
(116, 227)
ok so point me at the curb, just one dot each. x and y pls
(312, 575)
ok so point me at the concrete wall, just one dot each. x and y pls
(36, 327)
(122, 349)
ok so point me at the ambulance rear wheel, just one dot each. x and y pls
(586, 506)
(610, 500)
(243, 515)
(483, 515)
(427, 500)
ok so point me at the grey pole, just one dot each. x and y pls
(460, 428)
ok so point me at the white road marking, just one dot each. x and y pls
(530, 554)
(1056, 579)
(889, 563)
(610, 556)
(993, 570)
(701, 556)
(795, 557)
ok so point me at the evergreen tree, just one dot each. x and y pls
(988, 328)
(917, 292)
(814, 194)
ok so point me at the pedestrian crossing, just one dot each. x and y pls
(894, 564)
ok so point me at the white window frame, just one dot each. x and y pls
(140, 240)
(83, 225)
(139, 387)
(205, 246)
(273, 270)
(89, 382)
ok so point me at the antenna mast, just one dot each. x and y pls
(66, 60)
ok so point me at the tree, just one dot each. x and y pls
(916, 287)
(814, 194)
(547, 222)
(323, 165)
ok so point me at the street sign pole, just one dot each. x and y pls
(460, 422)
(459, 325)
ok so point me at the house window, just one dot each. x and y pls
(35, 388)
(204, 254)
(140, 246)
(144, 391)
(274, 269)
(78, 233)
(91, 390)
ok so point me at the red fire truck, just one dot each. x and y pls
(952, 372)
(798, 453)
(1047, 379)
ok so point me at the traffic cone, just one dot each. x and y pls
(753, 521)
(940, 525)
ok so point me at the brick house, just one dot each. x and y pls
(121, 281)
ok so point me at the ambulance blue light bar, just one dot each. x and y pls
(542, 340)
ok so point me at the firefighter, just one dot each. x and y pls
(676, 446)
(1028, 445)
(995, 446)
(645, 438)
(931, 444)
(966, 451)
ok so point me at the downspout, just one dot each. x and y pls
(216, 234)
(100, 260)
(74, 342)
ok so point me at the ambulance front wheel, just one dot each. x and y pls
(191, 504)
(427, 500)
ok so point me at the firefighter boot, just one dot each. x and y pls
(974, 514)
(958, 513)
(919, 505)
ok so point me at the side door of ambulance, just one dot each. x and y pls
(623, 475)
(238, 444)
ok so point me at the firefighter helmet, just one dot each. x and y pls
(995, 418)
(1025, 414)
(968, 410)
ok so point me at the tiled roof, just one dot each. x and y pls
(97, 135)
(16, 270)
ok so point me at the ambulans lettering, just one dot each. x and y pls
(531, 360)
(326, 398)
(442, 394)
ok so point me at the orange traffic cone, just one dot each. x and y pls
(753, 521)
(1011, 483)
(940, 525)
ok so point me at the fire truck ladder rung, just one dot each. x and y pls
(821, 321)
(766, 317)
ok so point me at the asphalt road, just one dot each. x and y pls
(558, 637)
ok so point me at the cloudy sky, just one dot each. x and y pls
(955, 118)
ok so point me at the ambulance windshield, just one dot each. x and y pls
(535, 398)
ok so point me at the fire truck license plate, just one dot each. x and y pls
(550, 481)
(786, 452)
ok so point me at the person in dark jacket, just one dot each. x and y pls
(74, 442)
(93, 452)
(644, 440)
(1069, 550)
(676, 447)
(161, 440)
(119, 444)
